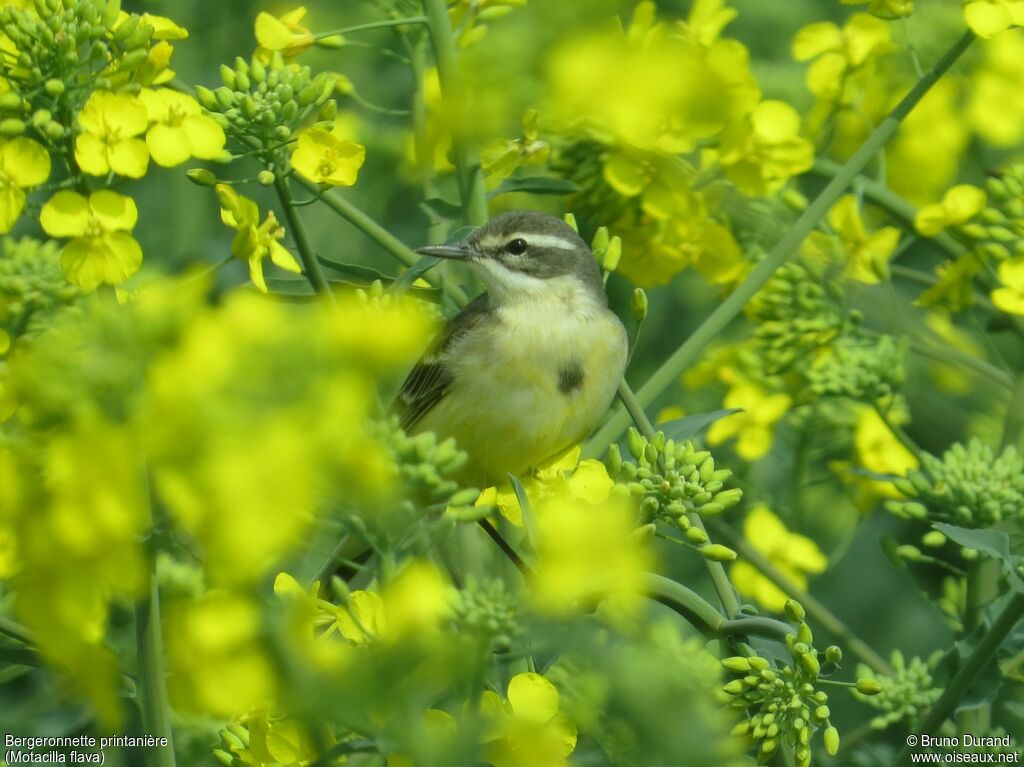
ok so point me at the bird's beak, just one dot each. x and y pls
(455, 250)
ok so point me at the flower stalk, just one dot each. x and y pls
(152, 683)
(310, 266)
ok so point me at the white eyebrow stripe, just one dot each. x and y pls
(545, 241)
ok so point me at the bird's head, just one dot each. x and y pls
(525, 255)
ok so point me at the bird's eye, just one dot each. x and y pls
(516, 247)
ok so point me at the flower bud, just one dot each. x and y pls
(601, 239)
(10, 102)
(206, 97)
(12, 127)
(834, 654)
(933, 539)
(716, 552)
(54, 87)
(570, 219)
(227, 74)
(736, 663)
(868, 686)
(831, 738)
(331, 42)
(909, 553)
(613, 459)
(612, 254)
(795, 611)
(696, 536)
(810, 663)
(201, 177)
(638, 305)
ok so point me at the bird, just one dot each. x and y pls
(528, 368)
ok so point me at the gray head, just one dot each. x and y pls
(523, 253)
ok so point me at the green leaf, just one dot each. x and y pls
(529, 522)
(690, 426)
(992, 543)
(535, 185)
(363, 275)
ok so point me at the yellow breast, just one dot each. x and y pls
(530, 383)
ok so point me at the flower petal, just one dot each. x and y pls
(205, 135)
(26, 162)
(91, 261)
(66, 214)
(114, 211)
(168, 146)
(129, 158)
(91, 155)
(12, 202)
(533, 697)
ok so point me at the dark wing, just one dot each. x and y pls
(430, 379)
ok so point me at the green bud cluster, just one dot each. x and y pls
(63, 42)
(266, 102)
(782, 702)
(488, 611)
(862, 369)
(968, 486)
(998, 230)
(903, 697)
(32, 283)
(796, 312)
(426, 467)
(673, 480)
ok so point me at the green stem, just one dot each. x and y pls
(1013, 423)
(372, 25)
(814, 608)
(684, 601)
(730, 308)
(152, 684)
(381, 236)
(311, 267)
(757, 626)
(470, 176)
(961, 681)
(952, 357)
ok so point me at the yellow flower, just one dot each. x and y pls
(587, 553)
(843, 56)
(616, 82)
(23, 164)
(867, 255)
(706, 21)
(179, 129)
(958, 205)
(527, 730)
(563, 474)
(220, 664)
(253, 240)
(110, 144)
(282, 33)
(502, 157)
(885, 9)
(328, 157)
(794, 555)
(995, 105)
(764, 152)
(1010, 297)
(755, 424)
(277, 741)
(878, 449)
(100, 250)
(990, 17)
(163, 27)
